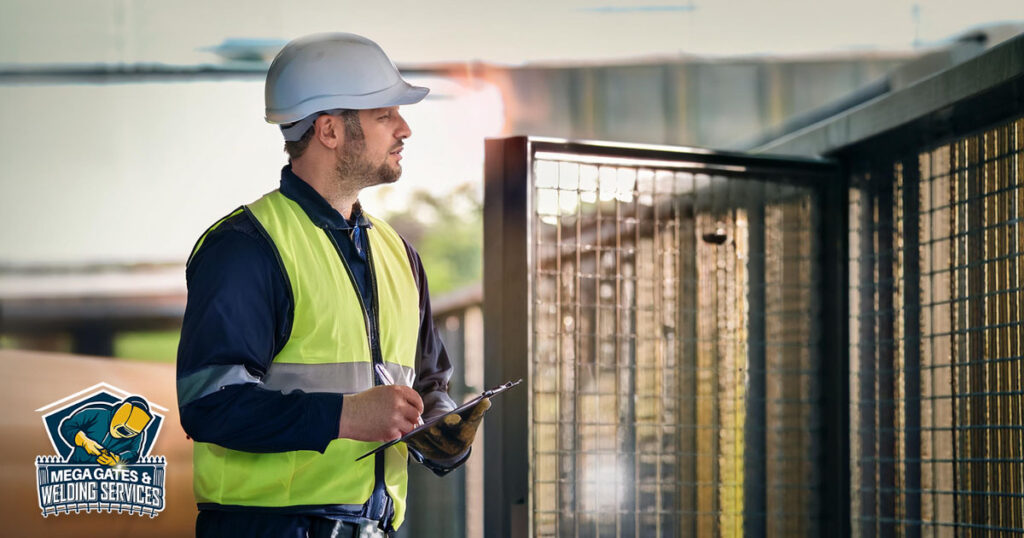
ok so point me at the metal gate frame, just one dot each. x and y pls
(507, 330)
(957, 104)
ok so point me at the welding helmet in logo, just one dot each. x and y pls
(130, 418)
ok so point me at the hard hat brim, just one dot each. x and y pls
(401, 93)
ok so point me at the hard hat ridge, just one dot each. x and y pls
(333, 71)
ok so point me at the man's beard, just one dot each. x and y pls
(352, 166)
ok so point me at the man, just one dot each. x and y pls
(107, 434)
(307, 338)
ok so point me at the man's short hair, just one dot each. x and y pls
(353, 130)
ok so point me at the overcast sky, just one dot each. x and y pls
(48, 31)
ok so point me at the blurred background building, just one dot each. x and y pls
(133, 126)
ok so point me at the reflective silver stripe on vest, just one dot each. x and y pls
(338, 377)
(401, 374)
(210, 380)
(343, 378)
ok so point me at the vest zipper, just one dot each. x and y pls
(378, 358)
(376, 509)
(369, 317)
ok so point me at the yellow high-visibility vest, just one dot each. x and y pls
(328, 351)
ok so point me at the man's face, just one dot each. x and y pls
(372, 151)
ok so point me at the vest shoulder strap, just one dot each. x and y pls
(214, 226)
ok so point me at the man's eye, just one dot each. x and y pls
(385, 117)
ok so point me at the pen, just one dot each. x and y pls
(385, 378)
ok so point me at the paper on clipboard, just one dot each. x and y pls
(460, 409)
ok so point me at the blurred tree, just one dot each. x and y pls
(157, 346)
(447, 231)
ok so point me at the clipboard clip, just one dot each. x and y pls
(500, 388)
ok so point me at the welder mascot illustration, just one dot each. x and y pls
(107, 434)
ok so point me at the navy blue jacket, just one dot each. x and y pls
(239, 311)
(94, 421)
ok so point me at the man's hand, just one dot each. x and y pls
(90, 446)
(380, 414)
(108, 458)
(452, 436)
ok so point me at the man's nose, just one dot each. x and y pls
(403, 131)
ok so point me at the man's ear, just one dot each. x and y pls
(329, 130)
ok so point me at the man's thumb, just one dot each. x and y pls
(479, 410)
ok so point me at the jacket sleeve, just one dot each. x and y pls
(80, 421)
(433, 367)
(237, 318)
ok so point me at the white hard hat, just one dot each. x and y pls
(332, 71)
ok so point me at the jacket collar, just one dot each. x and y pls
(318, 210)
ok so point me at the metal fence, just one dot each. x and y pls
(936, 292)
(715, 349)
(673, 316)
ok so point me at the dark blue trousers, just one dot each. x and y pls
(223, 524)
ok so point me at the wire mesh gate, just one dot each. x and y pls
(672, 317)
(936, 291)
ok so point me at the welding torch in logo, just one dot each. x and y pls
(107, 434)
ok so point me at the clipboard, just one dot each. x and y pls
(458, 410)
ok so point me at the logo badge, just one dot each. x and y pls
(101, 437)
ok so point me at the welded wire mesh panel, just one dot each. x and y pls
(936, 359)
(673, 355)
(791, 313)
